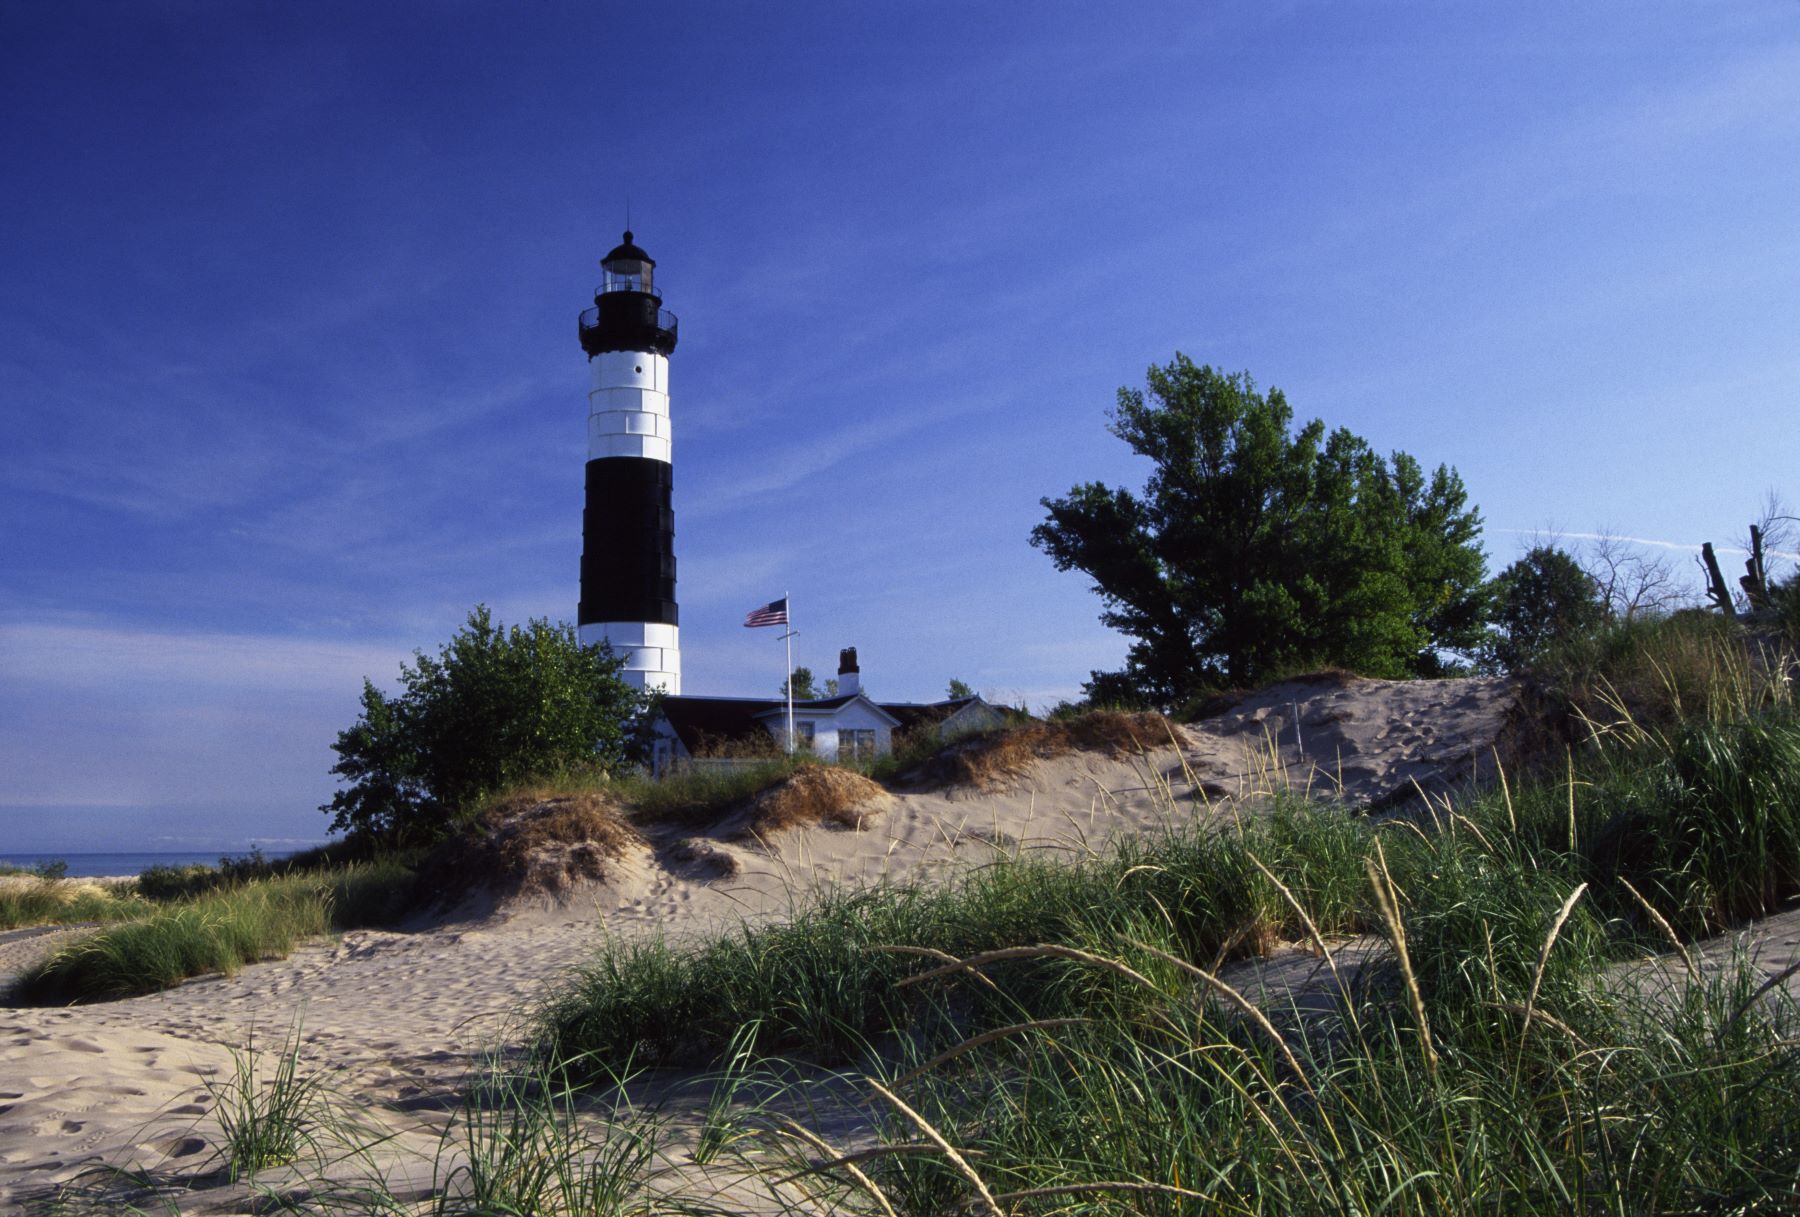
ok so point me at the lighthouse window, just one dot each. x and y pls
(639, 369)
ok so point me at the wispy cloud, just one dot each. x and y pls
(106, 656)
(1691, 547)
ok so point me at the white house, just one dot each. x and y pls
(848, 727)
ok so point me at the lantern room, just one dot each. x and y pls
(628, 313)
(629, 269)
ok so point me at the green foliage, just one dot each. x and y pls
(1255, 549)
(803, 685)
(165, 883)
(1195, 1110)
(956, 690)
(1784, 603)
(1542, 601)
(216, 933)
(824, 984)
(496, 707)
(161, 882)
(1706, 825)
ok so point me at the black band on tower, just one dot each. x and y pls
(628, 542)
(628, 321)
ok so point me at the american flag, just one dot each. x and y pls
(772, 613)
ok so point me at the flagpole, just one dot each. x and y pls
(788, 637)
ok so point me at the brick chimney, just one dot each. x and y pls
(849, 679)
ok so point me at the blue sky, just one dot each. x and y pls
(289, 377)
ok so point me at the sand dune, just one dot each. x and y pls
(400, 1018)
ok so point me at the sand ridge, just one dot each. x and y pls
(399, 1018)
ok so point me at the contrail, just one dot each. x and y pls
(1654, 544)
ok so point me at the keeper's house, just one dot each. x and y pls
(847, 727)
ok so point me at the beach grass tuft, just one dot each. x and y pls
(217, 932)
(268, 1117)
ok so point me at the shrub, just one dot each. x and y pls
(495, 708)
(1784, 604)
(1543, 600)
(814, 794)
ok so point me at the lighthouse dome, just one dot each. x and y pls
(628, 268)
(626, 251)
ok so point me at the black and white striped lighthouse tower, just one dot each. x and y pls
(628, 524)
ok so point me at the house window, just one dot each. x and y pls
(803, 735)
(855, 745)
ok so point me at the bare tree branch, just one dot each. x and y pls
(1631, 582)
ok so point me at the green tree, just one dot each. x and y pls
(805, 688)
(957, 690)
(1540, 601)
(1256, 549)
(496, 706)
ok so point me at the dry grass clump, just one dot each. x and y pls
(1005, 756)
(813, 794)
(533, 841)
(1659, 672)
(31, 900)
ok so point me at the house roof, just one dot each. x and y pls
(698, 721)
(912, 713)
(827, 705)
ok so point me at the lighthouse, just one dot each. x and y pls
(628, 522)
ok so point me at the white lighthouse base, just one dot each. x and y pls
(652, 652)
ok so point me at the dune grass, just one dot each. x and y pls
(27, 900)
(522, 1141)
(169, 883)
(1702, 823)
(982, 758)
(220, 931)
(1582, 1104)
(697, 795)
(1062, 1027)
(1654, 673)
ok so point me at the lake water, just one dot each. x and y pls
(82, 865)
